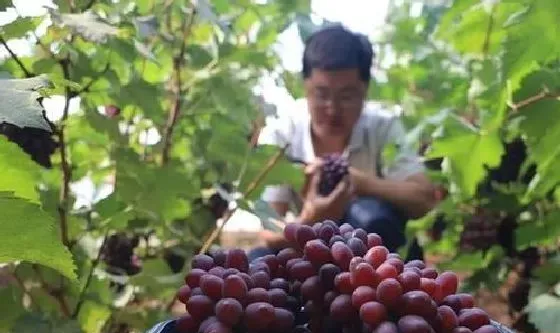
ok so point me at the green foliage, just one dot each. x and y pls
(182, 72)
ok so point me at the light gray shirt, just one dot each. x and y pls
(375, 129)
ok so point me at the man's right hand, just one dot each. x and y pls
(316, 207)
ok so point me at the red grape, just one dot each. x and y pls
(212, 286)
(354, 263)
(387, 271)
(428, 286)
(336, 238)
(397, 263)
(290, 231)
(344, 228)
(186, 324)
(373, 313)
(248, 280)
(278, 297)
(302, 270)
(454, 302)
(364, 275)
(416, 263)
(258, 316)
(304, 234)
(342, 255)
(206, 323)
(409, 281)
(229, 311)
(357, 246)
(317, 252)
(196, 291)
(394, 256)
(326, 232)
(486, 329)
(448, 282)
(202, 261)
(217, 327)
(291, 262)
(200, 307)
(449, 319)
(467, 300)
(237, 258)
(373, 240)
(230, 271)
(257, 295)
(473, 318)
(429, 272)
(462, 329)
(286, 254)
(360, 234)
(193, 277)
(414, 324)
(272, 263)
(341, 308)
(386, 327)
(219, 255)
(343, 283)
(388, 292)
(376, 255)
(184, 293)
(312, 289)
(261, 279)
(258, 266)
(217, 271)
(235, 287)
(418, 303)
(327, 273)
(361, 295)
(280, 284)
(283, 320)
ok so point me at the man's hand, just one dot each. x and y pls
(333, 206)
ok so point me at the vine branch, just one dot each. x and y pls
(53, 292)
(66, 170)
(16, 58)
(177, 102)
(94, 264)
(252, 186)
(544, 94)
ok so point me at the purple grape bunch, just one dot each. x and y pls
(334, 169)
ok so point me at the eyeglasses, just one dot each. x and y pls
(345, 100)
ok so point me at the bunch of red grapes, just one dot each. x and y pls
(331, 280)
(334, 168)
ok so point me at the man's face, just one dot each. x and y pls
(335, 100)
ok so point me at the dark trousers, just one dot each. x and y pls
(372, 215)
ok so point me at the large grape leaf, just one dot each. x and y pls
(19, 172)
(467, 154)
(28, 233)
(87, 24)
(19, 102)
(544, 313)
(538, 27)
(20, 27)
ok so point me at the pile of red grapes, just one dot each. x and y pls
(332, 279)
(334, 168)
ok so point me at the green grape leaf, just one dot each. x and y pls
(28, 234)
(466, 155)
(539, 19)
(87, 24)
(19, 172)
(19, 102)
(93, 316)
(544, 313)
(20, 27)
(5, 4)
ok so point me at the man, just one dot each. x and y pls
(334, 118)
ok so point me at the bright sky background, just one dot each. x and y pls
(365, 16)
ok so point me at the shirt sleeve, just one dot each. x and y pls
(277, 132)
(407, 161)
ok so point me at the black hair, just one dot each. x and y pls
(336, 48)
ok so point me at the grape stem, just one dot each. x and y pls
(177, 102)
(252, 186)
